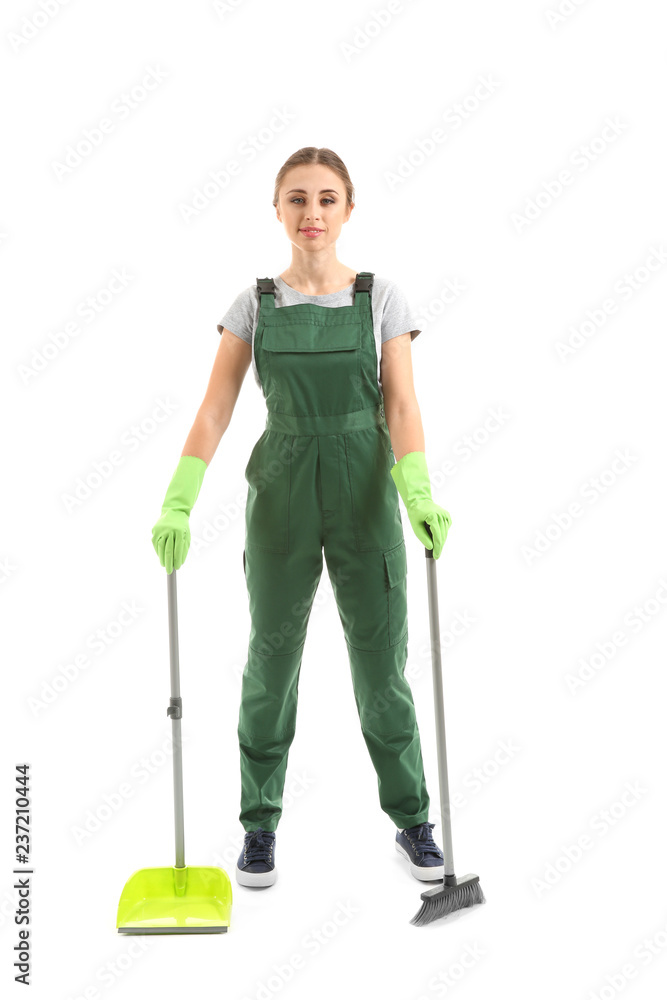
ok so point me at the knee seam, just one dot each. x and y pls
(289, 652)
(282, 734)
(383, 649)
(403, 731)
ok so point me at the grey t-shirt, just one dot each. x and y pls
(392, 314)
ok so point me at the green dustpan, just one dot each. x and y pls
(180, 899)
(175, 901)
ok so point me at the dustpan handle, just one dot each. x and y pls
(175, 712)
(434, 622)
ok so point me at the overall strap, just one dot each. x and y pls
(267, 287)
(267, 293)
(363, 288)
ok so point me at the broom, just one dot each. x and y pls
(454, 893)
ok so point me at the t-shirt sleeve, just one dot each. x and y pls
(397, 314)
(240, 316)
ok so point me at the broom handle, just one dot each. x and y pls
(434, 621)
(175, 712)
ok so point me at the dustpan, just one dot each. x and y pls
(178, 899)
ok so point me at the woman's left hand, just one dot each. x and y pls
(428, 512)
(414, 486)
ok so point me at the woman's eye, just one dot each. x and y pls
(332, 200)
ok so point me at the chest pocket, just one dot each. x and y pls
(308, 337)
(312, 368)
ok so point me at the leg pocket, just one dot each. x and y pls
(268, 474)
(376, 518)
(396, 569)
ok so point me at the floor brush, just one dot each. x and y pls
(454, 893)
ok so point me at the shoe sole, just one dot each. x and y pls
(423, 874)
(256, 878)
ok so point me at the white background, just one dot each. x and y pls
(556, 922)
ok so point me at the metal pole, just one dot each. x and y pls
(434, 622)
(175, 711)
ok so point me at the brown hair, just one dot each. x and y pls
(311, 154)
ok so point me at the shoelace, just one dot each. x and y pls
(259, 845)
(423, 834)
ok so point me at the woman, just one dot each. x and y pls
(330, 349)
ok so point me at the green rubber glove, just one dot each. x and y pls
(414, 486)
(171, 532)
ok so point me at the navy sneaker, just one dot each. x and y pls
(427, 861)
(256, 864)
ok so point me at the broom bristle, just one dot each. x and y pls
(448, 899)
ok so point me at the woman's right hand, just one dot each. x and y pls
(171, 532)
(171, 538)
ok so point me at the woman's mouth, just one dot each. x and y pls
(311, 232)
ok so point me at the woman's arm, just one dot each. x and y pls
(400, 402)
(229, 368)
(430, 521)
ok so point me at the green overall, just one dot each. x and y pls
(318, 478)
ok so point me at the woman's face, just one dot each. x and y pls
(312, 196)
